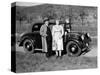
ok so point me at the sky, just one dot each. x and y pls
(27, 4)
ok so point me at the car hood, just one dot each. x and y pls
(76, 33)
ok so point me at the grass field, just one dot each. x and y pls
(38, 62)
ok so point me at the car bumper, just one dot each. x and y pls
(85, 50)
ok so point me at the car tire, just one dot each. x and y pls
(73, 49)
(28, 45)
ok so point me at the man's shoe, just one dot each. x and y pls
(47, 55)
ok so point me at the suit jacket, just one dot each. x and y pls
(43, 30)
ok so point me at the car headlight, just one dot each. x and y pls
(87, 44)
(88, 34)
(82, 37)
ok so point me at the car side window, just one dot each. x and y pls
(36, 27)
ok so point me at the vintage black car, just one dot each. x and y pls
(75, 43)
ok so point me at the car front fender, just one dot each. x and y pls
(75, 40)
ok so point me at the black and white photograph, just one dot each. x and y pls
(53, 37)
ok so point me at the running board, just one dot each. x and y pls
(38, 49)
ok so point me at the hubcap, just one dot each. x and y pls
(28, 46)
(73, 48)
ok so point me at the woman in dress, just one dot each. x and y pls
(57, 33)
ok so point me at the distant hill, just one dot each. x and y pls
(63, 9)
(34, 14)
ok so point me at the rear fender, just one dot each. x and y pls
(24, 38)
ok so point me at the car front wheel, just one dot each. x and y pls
(73, 49)
(28, 46)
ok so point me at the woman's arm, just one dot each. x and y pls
(53, 31)
(41, 30)
(62, 30)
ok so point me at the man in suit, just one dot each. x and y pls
(46, 35)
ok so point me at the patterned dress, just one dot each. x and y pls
(57, 33)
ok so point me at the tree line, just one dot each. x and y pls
(53, 12)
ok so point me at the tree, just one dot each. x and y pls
(29, 18)
(49, 13)
(82, 15)
(20, 16)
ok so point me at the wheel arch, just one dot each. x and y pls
(75, 40)
(24, 38)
